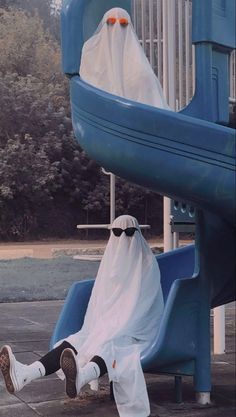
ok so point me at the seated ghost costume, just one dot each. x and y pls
(123, 316)
(113, 60)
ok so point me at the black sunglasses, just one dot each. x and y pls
(129, 231)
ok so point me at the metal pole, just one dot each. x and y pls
(171, 53)
(112, 198)
(168, 237)
(165, 48)
(187, 52)
(159, 41)
(180, 52)
(151, 34)
(143, 9)
(175, 240)
(219, 330)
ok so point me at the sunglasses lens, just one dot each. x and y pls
(124, 22)
(117, 232)
(130, 231)
(111, 20)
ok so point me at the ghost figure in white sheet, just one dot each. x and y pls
(113, 60)
(123, 315)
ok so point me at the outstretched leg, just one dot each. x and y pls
(51, 361)
(77, 377)
(17, 374)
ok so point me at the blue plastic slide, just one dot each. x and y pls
(188, 156)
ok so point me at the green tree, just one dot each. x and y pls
(26, 177)
(31, 51)
(31, 106)
(48, 11)
(47, 183)
(130, 199)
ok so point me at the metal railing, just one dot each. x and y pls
(233, 76)
(164, 28)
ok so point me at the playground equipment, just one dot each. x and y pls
(187, 156)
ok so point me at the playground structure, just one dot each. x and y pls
(189, 156)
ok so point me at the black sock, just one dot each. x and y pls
(101, 364)
(51, 361)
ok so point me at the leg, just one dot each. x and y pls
(178, 389)
(51, 361)
(112, 398)
(17, 375)
(77, 377)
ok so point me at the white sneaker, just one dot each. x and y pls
(14, 372)
(77, 377)
(69, 367)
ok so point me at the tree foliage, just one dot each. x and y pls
(47, 10)
(26, 177)
(47, 183)
(26, 48)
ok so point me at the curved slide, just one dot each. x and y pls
(173, 154)
(187, 156)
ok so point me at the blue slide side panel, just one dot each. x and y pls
(217, 19)
(174, 265)
(175, 344)
(176, 341)
(72, 314)
(172, 154)
(103, 108)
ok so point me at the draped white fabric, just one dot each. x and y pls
(113, 60)
(123, 315)
(126, 306)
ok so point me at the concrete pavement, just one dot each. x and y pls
(27, 327)
(46, 270)
(47, 249)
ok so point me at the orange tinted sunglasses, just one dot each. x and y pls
(112, 20)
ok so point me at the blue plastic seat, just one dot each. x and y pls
(165, 354)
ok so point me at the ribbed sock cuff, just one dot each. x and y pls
(36, 370)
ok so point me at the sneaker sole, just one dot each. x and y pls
(5, 366)
(68, 365)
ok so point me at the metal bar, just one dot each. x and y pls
(112, 198)
(105, 226)
(168, 235)
(157, 45)
(178, 389)
(191, 53)
(193, 70)
(93, 226)
(180, 54)
(233, 75)
(134, 13)
(151, 33)
(159, 41)
(175, 240)
(168, 238)
(165, 48)
(143, 26)
(219, 330)
(187, 46)
(171, 53)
